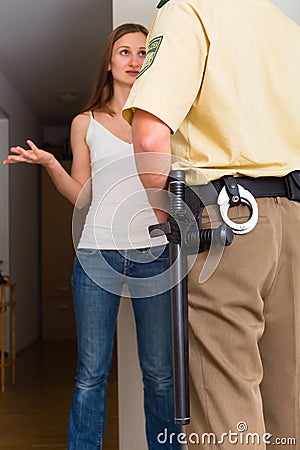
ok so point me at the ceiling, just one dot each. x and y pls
(52, 47)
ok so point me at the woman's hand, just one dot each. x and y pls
(32, 156)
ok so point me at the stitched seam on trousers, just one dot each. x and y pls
(279, 252)
(204, 385)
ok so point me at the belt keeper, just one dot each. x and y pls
(232, 190)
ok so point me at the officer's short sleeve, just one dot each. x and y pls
(171, 76)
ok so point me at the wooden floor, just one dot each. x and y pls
(34, 412)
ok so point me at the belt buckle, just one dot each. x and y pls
(247, 199)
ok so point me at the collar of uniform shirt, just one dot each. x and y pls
(162, 3)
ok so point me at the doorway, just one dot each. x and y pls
(4, 194)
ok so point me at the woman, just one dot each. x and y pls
(114, 249)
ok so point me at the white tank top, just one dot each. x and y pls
(119, 213)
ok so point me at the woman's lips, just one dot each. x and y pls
(133, 73)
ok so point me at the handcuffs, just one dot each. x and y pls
(231, 194)
(245, 197)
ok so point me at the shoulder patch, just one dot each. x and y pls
(162, 3)
(153, 47)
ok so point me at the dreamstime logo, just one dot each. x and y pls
(117, 183)
(242, 426)
(239, 437)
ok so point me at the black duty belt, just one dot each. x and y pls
(288, 186)
(184, 226)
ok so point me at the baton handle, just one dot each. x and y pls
(179, 303)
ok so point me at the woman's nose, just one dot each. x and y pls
(134, 61)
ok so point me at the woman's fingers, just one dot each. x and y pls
(32, 145)
(16, 150)
(8, 160)
(28, 155)
(33, 155)
(20, 155)
(12, 159)
(38, 155)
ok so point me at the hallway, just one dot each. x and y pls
(34, 412)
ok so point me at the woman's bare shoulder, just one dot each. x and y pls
(81, 121)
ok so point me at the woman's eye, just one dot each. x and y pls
(124, 52)
(143, 53)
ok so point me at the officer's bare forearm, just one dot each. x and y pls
(151, 139)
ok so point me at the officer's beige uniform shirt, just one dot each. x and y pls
(226, 85)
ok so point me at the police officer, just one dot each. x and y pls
(219, 89)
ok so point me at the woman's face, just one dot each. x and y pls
(128, 54)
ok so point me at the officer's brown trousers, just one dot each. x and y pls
(245, 337)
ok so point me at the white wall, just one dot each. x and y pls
(289, 7)
(134, 11)
(4, 195)
(23, 203)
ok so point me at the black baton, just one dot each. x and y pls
(190, 242)
(179, 303)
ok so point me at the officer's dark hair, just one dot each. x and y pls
(104, 87)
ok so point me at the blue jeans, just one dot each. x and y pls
(97, 284)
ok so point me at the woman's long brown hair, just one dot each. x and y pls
(104, 87)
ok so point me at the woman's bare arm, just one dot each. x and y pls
(69, 186)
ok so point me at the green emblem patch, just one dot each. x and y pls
(162, 3)
(153, 47)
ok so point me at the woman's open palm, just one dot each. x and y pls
(34, 155)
